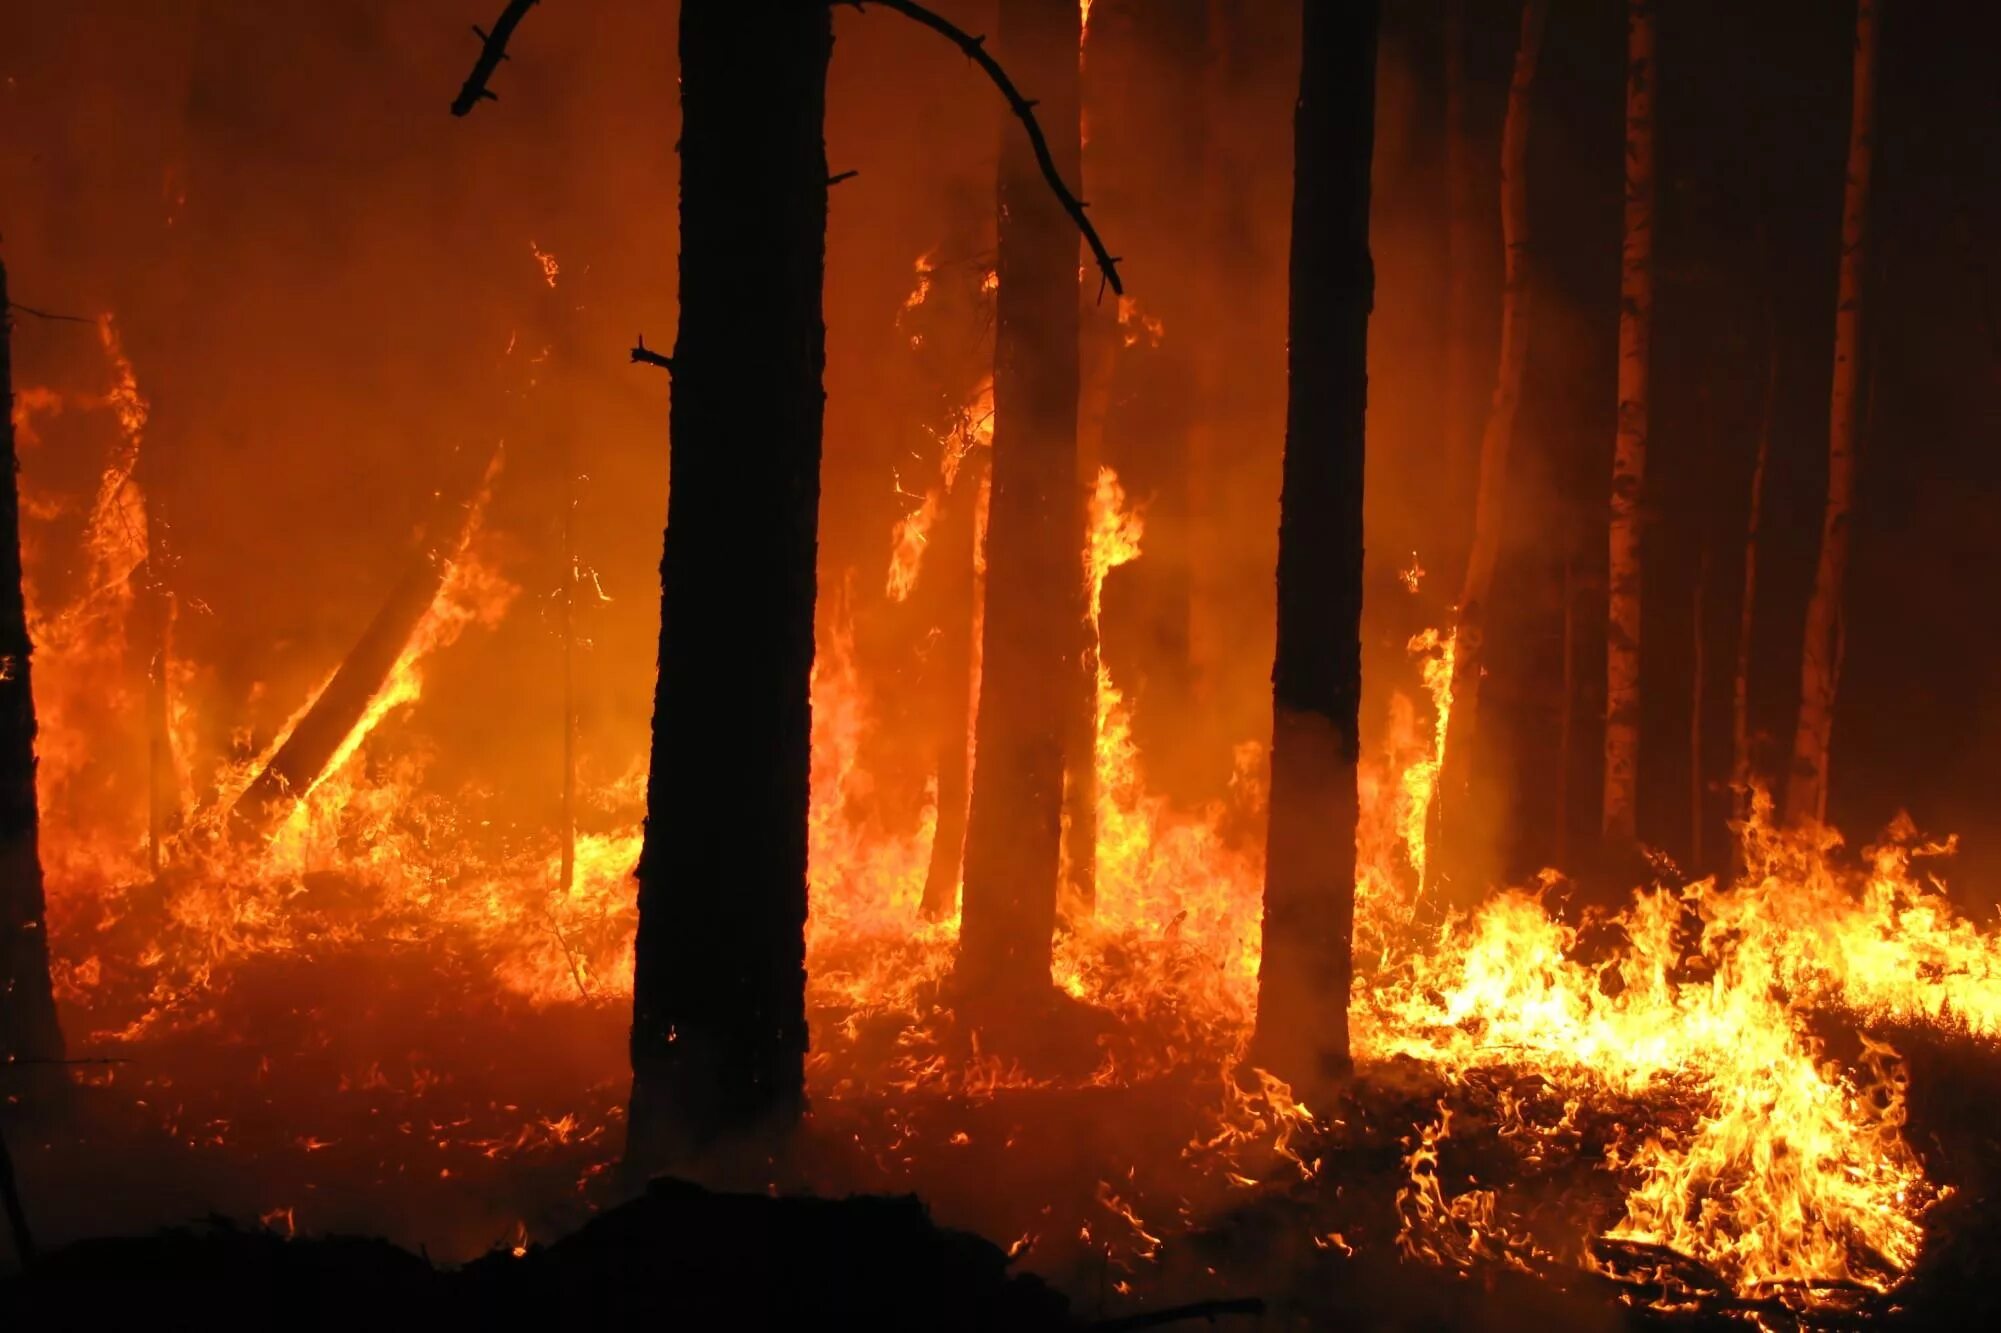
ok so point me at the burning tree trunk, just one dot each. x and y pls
(28, 1027)
(340, 707)
(719, 983)
(1309, 902)
(1029, 656)
(1629, 455)
(1806, 792)
(1496, 441)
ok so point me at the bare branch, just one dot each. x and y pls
(45, 314)
(493, 50)
(840, 176)
(976, 51)
(642, 355)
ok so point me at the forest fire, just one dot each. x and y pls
(990, 826)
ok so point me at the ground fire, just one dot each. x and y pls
(1378, 728)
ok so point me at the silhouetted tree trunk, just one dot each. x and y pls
(1462, 241)
(954, 557)
(1309, 901)
(1029, 657)
(1497, 440)
(1629, 454)
(719, 985)
(1741, 774)
(1806, 792)
(28, 1027)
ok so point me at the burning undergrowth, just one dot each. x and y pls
(1703, 1098)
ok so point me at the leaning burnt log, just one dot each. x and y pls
(341, 706)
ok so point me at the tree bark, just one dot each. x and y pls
(719, 986)
(1629, 452)
(1806, 791)
(28, 1025)
(1030, 639)
(317, 738)
(1462, 241)
(1497, 439)
(1741, 774)
(955, 556)
(1309, 896)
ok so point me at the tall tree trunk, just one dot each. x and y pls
(719, 982)
(954, 557)
(1309, 900)
(1629, 452)
(1698, 680)
(1806, 791)
(1497, 440)
(1030, 637)
(1741, 775)
(569, 813)
(1462, 241)
(1566, 724)
(28, 1027)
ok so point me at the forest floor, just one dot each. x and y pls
(497, 1132)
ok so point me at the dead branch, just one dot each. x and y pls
(46, 314)
(642, 355)
(493, 50)
(976, 51)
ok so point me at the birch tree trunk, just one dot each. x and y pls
(1629, 454)
(1806, 791)
(1497, 439)
(1309, 893)
(719, 979)
(28, 1026)
(1030, 637)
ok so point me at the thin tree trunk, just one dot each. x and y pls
(1309, 895)
(28, 1026)
(1741, 776)
(719, 983)
(1629, 454)
(1566, 726)
(569, 865)
(1497, 440)
(1806, 791)
(1029, 654)
(1698, 672)
(1462, 242)
(955, 556)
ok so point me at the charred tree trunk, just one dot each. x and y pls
(28, 1027)
(719, 983)
(568, 869)
(1029, 655)
(1741, 774)
(955, 554)
(317, 738)
(1806, 791)
(1309, 901)
(1629, 454)
(1462, 241)
(1497, 440)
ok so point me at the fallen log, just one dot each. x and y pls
(340, 707)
